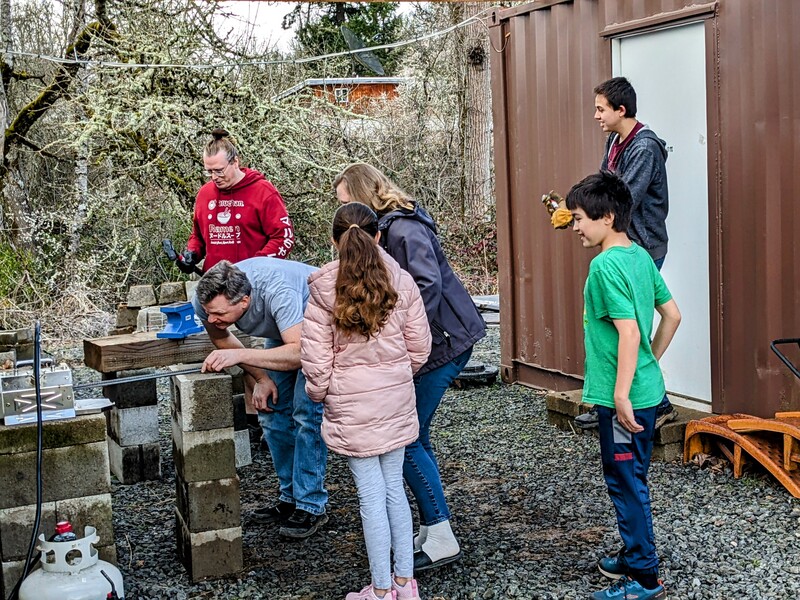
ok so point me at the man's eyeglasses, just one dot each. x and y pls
(217, 172)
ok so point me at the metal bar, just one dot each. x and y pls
(134, 378)
(782, 356)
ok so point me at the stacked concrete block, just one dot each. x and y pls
(132, 427)
(241, 432)
(207, 514)
(151, 318)
(171, 291)
(76, 487)
(126, 320)
(140, 296)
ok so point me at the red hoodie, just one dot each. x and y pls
(247, 220)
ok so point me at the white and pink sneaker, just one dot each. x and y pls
(406, 592)
(368, 593)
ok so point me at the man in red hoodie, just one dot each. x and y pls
(238, 214)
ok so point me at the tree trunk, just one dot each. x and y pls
(477, 116)
(5, 119)
(81, 184)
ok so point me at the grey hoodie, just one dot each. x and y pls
(642, 165)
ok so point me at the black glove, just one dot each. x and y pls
(187, 262)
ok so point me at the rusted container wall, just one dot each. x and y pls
(545, 138)
(759, 193)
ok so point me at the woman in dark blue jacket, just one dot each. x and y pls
(408, 234)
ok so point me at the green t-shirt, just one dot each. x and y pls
(623, 283)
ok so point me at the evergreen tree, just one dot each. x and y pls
(319, 31)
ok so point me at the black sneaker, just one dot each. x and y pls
(665, 413)
(277, 513)
(302, 524)
(588, 420)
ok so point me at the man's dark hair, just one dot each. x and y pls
(619, 92)
(602, 194)
(226, 279)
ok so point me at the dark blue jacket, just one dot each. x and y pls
(643, 167)
(409, 236)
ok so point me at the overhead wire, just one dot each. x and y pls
(226, 65)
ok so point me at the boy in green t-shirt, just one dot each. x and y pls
(622, 376)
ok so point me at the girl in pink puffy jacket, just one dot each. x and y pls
(365, 334)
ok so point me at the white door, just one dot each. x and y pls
(667, 68)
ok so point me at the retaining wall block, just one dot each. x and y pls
(209, 553)
(132, 464)
(203, 455)
(203, 400)
(133, 426)
(208, 505)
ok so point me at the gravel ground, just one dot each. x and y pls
(529, 505)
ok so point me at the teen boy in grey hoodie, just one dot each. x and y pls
(635, 153)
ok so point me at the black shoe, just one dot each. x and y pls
(302, 524)
(665, 413)
(588, 420)
(423, 562)
(277, 513)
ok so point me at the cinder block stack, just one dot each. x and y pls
(133, 448)
(142, 311)
(208, 511)
(76, 487)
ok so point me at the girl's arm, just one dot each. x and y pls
(316, 350)
(627, 357)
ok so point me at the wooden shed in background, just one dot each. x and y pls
(720, 82)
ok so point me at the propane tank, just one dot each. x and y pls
(72, 570)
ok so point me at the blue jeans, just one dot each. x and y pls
(292, 432)
(626, 460)
(420, 469)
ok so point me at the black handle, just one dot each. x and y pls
(782, 356)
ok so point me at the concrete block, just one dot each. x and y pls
(209, 553)
(131, 395)
(12, 571)
(203, 455)
(209, 505)
(133, 426)
(8, 359)
(151, 319)
(567, 403)
(121, 330)
(85, 429)
(203, 400)
(72, 472)
(126, 317)
(15, 528)
(237, 379)
(239, 413)
(190, 287)
(94, 511)
(108, 553)
(171, 291)
(140, 296)
(244, 455)
(132, 464)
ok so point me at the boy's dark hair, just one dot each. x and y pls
(602, 194)
(619, 92)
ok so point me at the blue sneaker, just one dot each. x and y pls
(628, 589)
(613, 566)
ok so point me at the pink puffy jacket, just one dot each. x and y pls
(367, 385)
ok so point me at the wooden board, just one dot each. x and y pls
(144, 350)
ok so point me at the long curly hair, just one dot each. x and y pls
(368, 185)
(364, 293)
